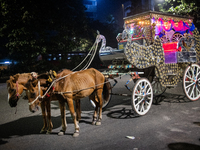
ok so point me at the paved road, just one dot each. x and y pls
(173, 124)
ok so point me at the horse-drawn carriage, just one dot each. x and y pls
(157, 50)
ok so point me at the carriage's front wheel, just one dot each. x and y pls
(142, 96)
(191, 82)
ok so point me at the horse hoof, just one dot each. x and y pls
(98, 123)
(48, 132)
(76, 134)
(43, 131)
(94, 122)
(61, 133)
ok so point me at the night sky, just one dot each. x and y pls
(107, 7)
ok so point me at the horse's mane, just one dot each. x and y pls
(43, 76)
(62, 70)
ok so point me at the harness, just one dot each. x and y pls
(56, 80)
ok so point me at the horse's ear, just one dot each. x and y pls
(8, 83)
(11, 78)
(16, 77)
(34, 83)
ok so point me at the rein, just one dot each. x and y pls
(17, 91)
(39, 96)
(95, 45)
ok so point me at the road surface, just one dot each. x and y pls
(172, 124)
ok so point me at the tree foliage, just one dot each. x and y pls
(182, 7)
(33, 27)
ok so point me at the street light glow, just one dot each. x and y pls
(6, 62)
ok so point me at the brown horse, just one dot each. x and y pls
(16, 85)
(19, 82)
(75, 86)
(33, 93)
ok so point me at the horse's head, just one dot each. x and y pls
(16, 85)
(32, 92)
(15, 89)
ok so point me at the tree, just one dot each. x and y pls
(33, 27)
(182, 7)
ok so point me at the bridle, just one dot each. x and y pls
(17, 90)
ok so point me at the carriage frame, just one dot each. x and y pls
(157, 50)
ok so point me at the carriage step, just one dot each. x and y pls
(120, 94)
(171, 74)
(171, 86)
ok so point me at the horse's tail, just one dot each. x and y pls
(106, 89)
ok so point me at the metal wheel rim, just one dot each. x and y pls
(191, 82)
(142, 96)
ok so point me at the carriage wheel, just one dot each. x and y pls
(105, 101)
(142, 96)
(176, 37)
(164, 39)
(191, 82)
(158, 89)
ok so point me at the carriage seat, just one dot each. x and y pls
(170, 51)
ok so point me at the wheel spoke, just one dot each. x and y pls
(145, 86)
(197, 90)
(192, 72)
(147, 103)
(197, 73)
(137, 107)
(140, 86)
(192, 92)
(188, 81)
(189, 77)
(148, 90)
(136, 99)
(139, 102)
(138, 94)
(189, 85)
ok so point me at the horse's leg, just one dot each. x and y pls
(63, 118)
(78, 109)
(42, 104)
(92, 97)
(73, 114)
(48, 108)
(100, 102)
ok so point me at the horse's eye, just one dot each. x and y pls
(11, 90)
(32, 94)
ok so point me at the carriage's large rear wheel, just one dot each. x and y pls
(191, 82)
(105, 101)
(158, 89)
(142, 96)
